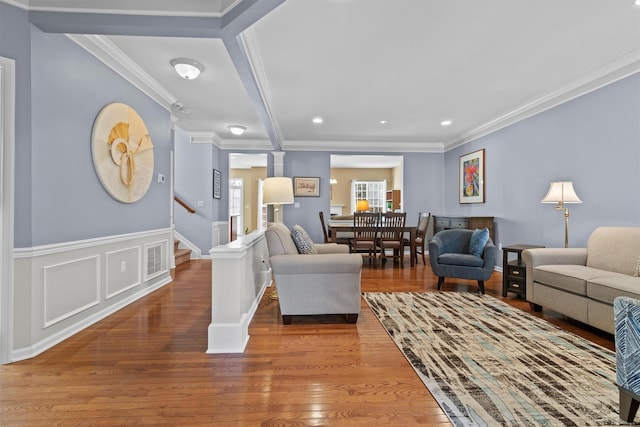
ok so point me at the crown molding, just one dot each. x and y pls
(187, 8)
(613, 71)
(364, 146)
(230, 143)
(22, 4)
(107, 52)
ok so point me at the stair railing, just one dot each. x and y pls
(184, 204)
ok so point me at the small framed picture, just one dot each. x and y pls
(471, 177)
(306, 186)
(216, 184)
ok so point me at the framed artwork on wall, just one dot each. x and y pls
(471, 175)
(306, 186)
(216, 184)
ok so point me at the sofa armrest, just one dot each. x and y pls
(331, 248)
(546, 256)
(316, 264)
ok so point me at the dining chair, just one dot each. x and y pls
(325, 233)
(392, 236)
(324, 227)
(421, 236)
(365, 234)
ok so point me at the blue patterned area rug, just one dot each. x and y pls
(489, 364)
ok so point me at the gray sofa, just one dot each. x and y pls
(582, 283)
(324, 283)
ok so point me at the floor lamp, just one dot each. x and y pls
(562, 192)
(276, 191)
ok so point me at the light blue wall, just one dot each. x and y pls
(311, 164)
(69, 88)
(15, 39)
(193, 183)
(593, 140)
(423, 184)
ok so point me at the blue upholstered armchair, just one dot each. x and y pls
(627, 336)
(461, 254)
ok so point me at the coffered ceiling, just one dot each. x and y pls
(382, 75)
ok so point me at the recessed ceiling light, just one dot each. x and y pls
(317, 120)
(383, 122)
(446, 123)
(237, 129)
(187, 68)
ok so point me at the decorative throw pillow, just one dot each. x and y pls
(479, 239)
(302, 240)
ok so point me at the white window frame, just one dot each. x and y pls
(375, 191)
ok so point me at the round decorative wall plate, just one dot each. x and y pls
(122, 152)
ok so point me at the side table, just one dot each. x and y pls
(514, 272)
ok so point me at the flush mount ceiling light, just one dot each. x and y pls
(186, 68)
(317, 120)
(237, 129)
(446, 123)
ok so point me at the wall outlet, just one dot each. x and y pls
(499, 246)
(123, 266)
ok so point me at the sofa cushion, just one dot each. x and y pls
(479, 239)
(614, 249)
(568, 277)
(611, 285)
(301, 239)
(461, 260)
(279, 240)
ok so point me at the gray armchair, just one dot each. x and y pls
(324, 283)
(449, 256)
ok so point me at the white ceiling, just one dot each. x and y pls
(272, 65)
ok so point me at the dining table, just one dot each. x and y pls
(336, 227)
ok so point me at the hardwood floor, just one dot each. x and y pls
(146, 365)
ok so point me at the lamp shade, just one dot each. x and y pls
(277, 190)
(561, 192)
(362, 205)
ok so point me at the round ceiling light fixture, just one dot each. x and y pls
(187, 68)
(446, 123)
(317, 120)
(237, 129)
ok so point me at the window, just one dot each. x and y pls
(372, 191)
(235, 202)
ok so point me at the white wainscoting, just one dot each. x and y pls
(63, 288)
(239, 277)
(219, 233)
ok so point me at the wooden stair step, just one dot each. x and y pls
(182, 256)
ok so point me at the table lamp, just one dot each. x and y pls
(362, 205)
(276, 191)
(562, 192)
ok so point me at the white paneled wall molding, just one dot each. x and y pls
(61, 289)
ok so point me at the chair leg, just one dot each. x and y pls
(481, 286)
(440, 282)
(628, 405)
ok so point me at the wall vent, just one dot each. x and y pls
(156, 259)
